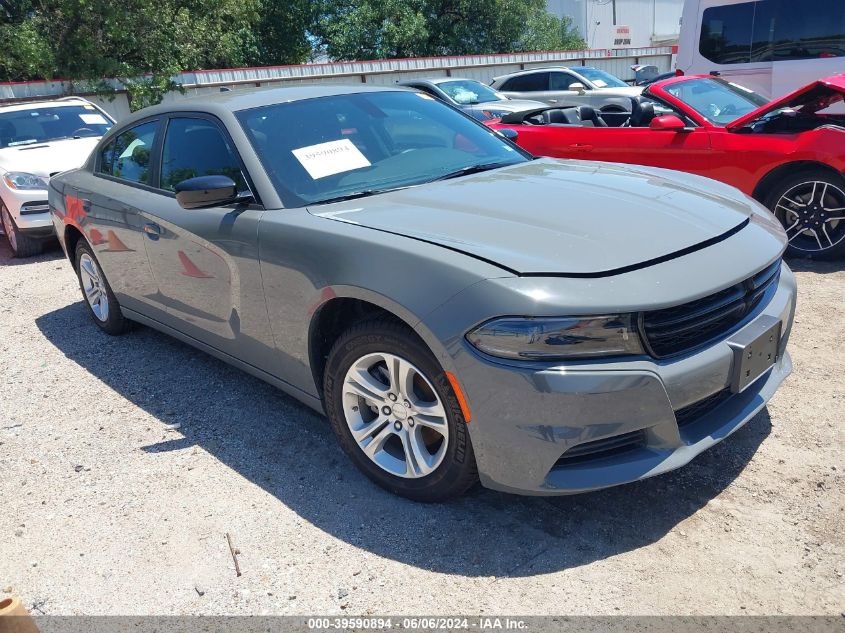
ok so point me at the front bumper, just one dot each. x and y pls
(526, 419)
(29, 210)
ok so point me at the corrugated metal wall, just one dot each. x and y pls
(379, 72)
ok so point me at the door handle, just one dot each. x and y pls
(153, 231)
(581, 147)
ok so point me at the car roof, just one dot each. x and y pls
(54, 103)
(236, 100)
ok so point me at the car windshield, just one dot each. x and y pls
(600, 78)
(40, 125)
(717, 100)
(469, 92)
(322, 149)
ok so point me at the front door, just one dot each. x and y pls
(206, 260)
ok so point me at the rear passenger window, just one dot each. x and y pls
(128, 156)
(535, 82)
(197, 147)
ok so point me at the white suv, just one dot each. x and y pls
(37, 141)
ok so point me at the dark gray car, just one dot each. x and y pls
(457, 309)
(473, 97)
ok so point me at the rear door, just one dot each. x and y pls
(108, 205)
(206, 260)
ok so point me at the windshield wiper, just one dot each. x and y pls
(471, 169)
(357, 194)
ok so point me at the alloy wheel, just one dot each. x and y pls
(813, 214)
(93, 287)
(395, 415)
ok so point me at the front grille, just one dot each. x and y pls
(36, 206)
(605, 447)
(682, 328)
(696, 410)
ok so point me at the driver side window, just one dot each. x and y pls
(197, 147)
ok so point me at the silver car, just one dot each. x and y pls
(569, 86)
(459, 310)
(473, 97)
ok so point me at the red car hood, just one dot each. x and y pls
(811, 98)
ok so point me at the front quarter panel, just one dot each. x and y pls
(308, 260)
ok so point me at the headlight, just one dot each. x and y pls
(24, 181)
(558, 338)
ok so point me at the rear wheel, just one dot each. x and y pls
(811, 207)
(395, 413)
(97, 292)
(21, 244)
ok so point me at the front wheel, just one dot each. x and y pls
(395, 413)
(811, 207)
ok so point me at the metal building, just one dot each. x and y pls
(615, 23)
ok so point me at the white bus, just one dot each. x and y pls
(770, 46)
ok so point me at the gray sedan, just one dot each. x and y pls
(473, 97)
(457, 309)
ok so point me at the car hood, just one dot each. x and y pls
(44, 159)
(813, 97)
(567, 218)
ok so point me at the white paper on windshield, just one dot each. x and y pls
(93, 119)
(330, 158)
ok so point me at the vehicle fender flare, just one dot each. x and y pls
(777, 174)
(325, 295)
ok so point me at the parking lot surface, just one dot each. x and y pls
(124, 462)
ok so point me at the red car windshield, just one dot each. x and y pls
(717, 100)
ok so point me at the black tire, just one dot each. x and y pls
(115, 323)
(457, 472)
(829, 242)
(22, 245)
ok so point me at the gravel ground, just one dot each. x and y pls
(109, 508)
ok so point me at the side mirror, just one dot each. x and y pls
(509, 134)
(667, 123)
(578, 87)
(206, 191)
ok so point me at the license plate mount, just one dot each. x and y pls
(755, 350)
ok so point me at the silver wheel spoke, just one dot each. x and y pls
(401, 375)
(800, 230)
(369, 429)
(374, 446)
(363, 384)
(826, 236)
(417, 457)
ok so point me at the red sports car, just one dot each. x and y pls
(788, 153)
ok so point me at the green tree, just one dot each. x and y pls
(366, 29)
(146, 42)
